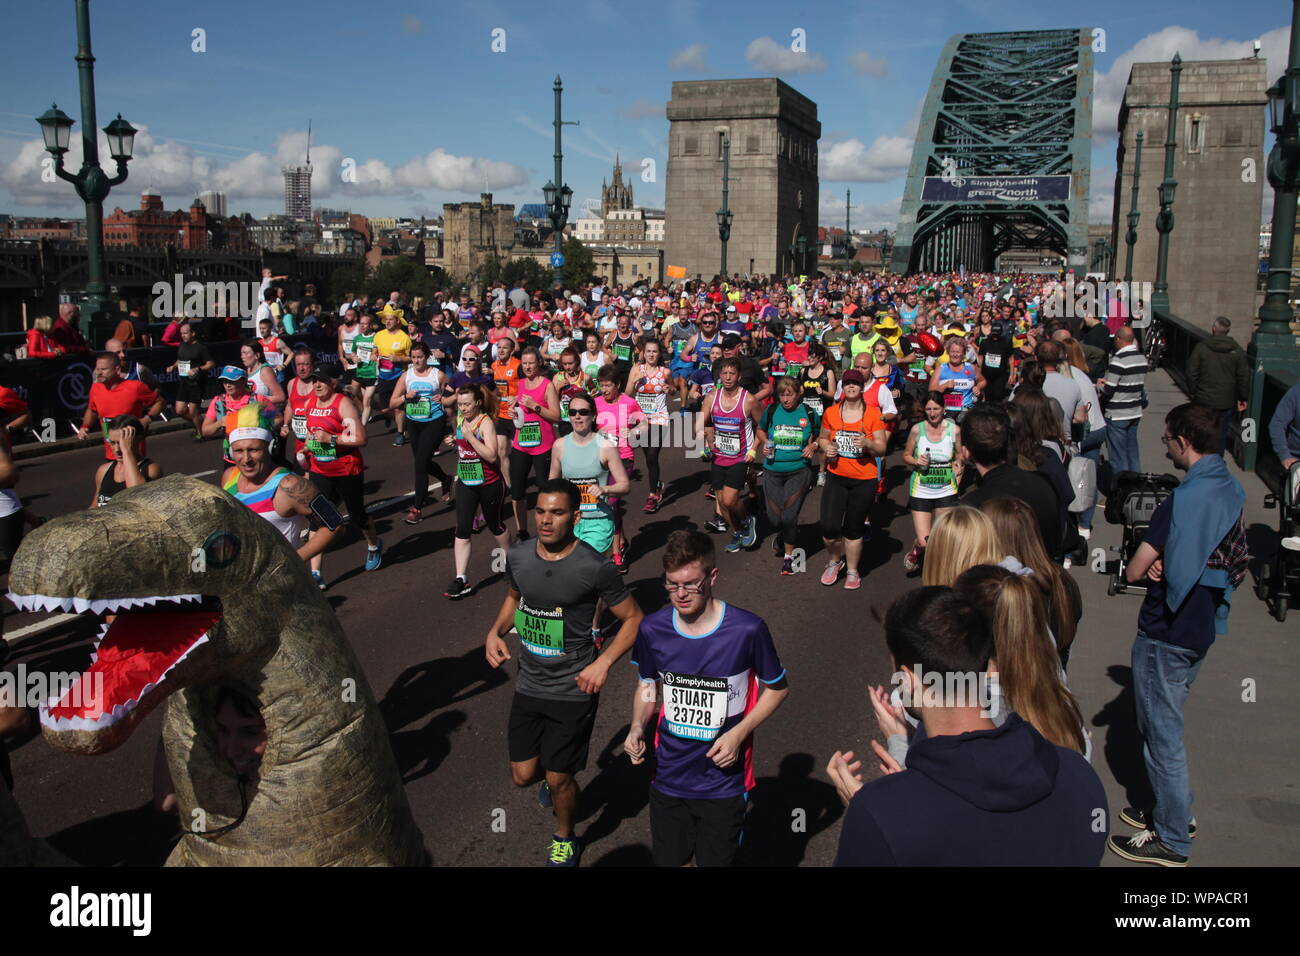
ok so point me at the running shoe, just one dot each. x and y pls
(736, 543)
(414, 515)
(375, 556)
(750, 532)
(652, 503)
(1145, 847)
(458, 588)
(787, 564)
(716, 525)
(544, 796)
(620, 560)
(563, 852)
(319, 579)
(852, 581)
(400, 439)
(710, 494)
(1139, 819)
(911, 561)
(832, 572)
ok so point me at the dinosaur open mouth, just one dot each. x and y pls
(134, 653)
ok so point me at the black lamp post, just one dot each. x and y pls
(1273, 342)
(1131, 237)
(558, 196)
(92, 183)
(802, 244)
(1165, 218)
(724, 214)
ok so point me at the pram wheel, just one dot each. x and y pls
(1279, 608)
(1110, 586)
(1265, 579)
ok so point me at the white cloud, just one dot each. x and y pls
(768, 56)
(180, 174)
(868, 65)
(1101, 195)
(690, 59)
(853, 161)
(1108, 86)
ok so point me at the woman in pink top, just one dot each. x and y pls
(537, 410)
(616, 416)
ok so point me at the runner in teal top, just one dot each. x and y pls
(595, 467)
(787, 433)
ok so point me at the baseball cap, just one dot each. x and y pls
(731, 341)
(731, 308)
(853, 377)
(325, 372)
(232, 373)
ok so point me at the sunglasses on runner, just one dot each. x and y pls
(579, 411)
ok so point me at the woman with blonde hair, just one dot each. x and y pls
(39, 342)
(962, 537)
(1017, 532)
(1029, 678)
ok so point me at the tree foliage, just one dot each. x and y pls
(579, 263)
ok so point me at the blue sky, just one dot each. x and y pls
(413, 93)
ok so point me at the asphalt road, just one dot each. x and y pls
(447, 710)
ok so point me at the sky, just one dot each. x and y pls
(415, 104)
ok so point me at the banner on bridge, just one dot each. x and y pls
(986, 189)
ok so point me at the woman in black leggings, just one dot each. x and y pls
(422, 392)
(478, 479)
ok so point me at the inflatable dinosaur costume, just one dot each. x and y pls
(207, 594)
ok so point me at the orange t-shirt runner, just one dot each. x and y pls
(847, 464)
(506, 376)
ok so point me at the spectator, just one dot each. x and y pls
(125, 332)
(64, 332)
(1040, 447)
(1058, 384)
(1192, 557)
(973, 793)
(172, 334)
(1218, 377)
(986, 443)
(1095, 339)
(39, 342)
(1123, 396)
(1018, 537)
(962, 537)
(1284, 430)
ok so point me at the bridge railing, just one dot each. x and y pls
(1266, 391)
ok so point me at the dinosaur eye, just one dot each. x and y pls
(221, 549)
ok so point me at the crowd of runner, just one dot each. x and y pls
(560, 406)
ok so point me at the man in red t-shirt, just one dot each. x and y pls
(111, 395)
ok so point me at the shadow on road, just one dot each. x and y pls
(139, 837)
(421, 690)
(785, 812)
(619, 792)
(1123, 745)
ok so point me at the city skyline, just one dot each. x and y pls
(207, 125)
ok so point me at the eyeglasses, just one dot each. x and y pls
(1166, 439)
(579, 411)
(696, 588)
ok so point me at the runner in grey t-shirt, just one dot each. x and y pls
(554, 584)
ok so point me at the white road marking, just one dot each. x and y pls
(204, 474)
(40, 626)
(434, 489)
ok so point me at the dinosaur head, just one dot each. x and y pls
(195, 583)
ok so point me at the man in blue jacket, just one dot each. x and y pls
(1193, 556)
(1284, 429)
(973, 794)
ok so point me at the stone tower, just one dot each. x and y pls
(773, 195)
(1213, 249)
(616, 195)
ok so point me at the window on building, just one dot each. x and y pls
(1195, 132)
(751, 144)
(1233, 134)
(690, 145)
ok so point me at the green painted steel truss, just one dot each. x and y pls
(1001, 105)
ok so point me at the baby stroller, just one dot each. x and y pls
(1131, 503)
(1279, 581)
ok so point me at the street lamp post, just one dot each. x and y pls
(558, 196)
(1131, 237)
(724, 214)
(1165, 218)
(92, 184)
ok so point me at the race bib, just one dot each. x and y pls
(846, 445)
(814, 404)
(648, 401)
(695, 707)
(541, 631)
(419, 410)
(918, 367)
(299, 425)
(365, 353)
(469, 473)
(837, 353)
(727, 444)
(275, 359)
(787, 436)
(794, 370)
(564, 407)
(622, 353)
(182, 369)
(322, 451)
(937, 476)
(386, 364)
(993, 360)
(587, 488)
(530, 434)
